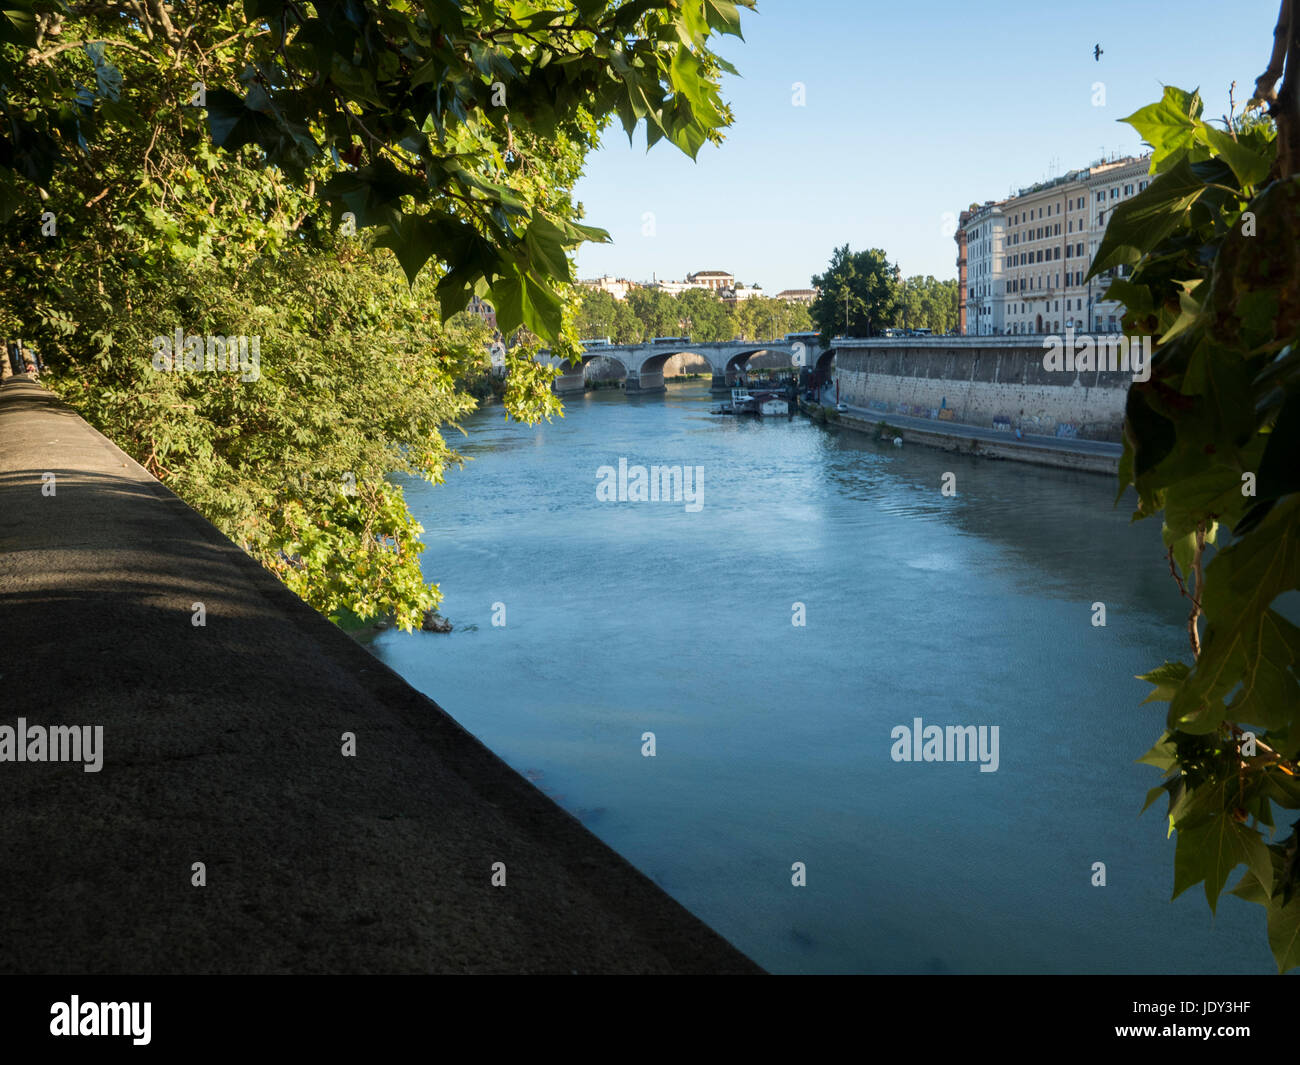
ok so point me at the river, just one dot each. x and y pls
(773, 740)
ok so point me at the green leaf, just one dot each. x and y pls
(1250, 167)
(1269, 695)
(1209, 853)
(724, 16)
(1208, 497)
(1241, 582)
(545, 244)
(1250, 889)
(1152, 796)
(18, 24)
(1136, 298)
(412, 240)
(1284, 933)
(1166, 679)
(1243, 579)
(1170, 125)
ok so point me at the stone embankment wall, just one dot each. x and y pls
(983, 381)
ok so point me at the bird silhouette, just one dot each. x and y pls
(1097, 53)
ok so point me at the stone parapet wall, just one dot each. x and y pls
(997, 386)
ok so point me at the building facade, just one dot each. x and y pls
(714, 279)
(484, 310)
(804, 296)
(618, 287)
(1108, 187)
(1024, 258)
(985, 297)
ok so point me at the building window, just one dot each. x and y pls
(1101, 197)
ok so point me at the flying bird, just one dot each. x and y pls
(1097, 53)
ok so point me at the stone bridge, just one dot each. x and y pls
(644, 363)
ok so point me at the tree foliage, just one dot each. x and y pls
(698, 313)
(240, 171)
(1210, 443)
(414, 109)
(927, 303)
(858, 294)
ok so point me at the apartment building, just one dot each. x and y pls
(986, 299)
(1025, 257)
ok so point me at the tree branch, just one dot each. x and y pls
(1284, 103)
(34, 57)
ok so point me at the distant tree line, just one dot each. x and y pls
(698, 313)
(862, 293)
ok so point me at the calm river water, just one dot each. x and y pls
(773, 740)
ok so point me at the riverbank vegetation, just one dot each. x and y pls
(333, 190)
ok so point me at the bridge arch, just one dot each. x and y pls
(573, 374)
(738, 363)
(655, 363)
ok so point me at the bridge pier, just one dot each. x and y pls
(569, 381)
(645, 382)
(719, 383)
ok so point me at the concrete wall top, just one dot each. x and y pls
(222, 744)
(1032, 341)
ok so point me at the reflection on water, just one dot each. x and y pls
(772, 739)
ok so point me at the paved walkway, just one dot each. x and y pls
(222, 745)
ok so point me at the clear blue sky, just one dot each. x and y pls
(914, 108)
